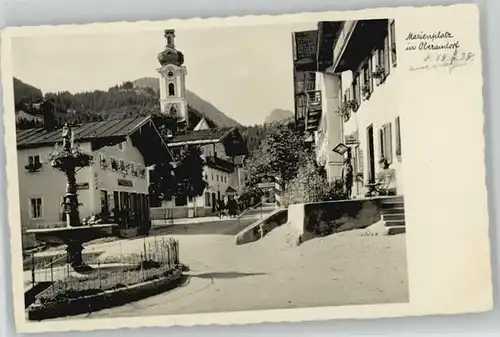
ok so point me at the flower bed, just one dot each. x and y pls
(75, 287)
(75, 302)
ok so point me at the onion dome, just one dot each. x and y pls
(171, 56)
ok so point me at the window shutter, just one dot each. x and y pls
(382, 143)
(387, 63)
(398, 137)
(388, 142)
(370, 71)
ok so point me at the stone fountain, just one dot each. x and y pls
(68, 159)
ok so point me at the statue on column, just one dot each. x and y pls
(66, 136)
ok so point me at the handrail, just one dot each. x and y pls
(252, 207)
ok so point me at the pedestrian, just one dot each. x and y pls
(220, 206)
(348, 177)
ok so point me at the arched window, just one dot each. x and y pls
(171, 89)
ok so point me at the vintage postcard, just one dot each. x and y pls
(246, 169)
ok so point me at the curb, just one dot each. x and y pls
(106, 299)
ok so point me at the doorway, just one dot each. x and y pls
(371, 155)
(214, 202)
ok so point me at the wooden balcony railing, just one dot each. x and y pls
(221, 164)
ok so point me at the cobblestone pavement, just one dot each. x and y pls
(343, 269)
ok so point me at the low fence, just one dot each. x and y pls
(169, 214)
(157, 257)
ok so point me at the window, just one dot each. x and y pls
(392, 31)
(34, 160)
(34, 163)
(367, 77)
(212, 176)
(356, 89)
(386, 142)
(104, 202)
(171, 89)
(207, 199)
(36, 208)
(169, 40)
(398, 137)
(120, 146)
(217, 178)
(181, 201)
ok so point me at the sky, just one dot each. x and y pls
(244, 71)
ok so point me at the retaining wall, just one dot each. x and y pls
(318, 219)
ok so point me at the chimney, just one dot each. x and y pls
(49, 119)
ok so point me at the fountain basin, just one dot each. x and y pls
(73, 238)
(68, 235)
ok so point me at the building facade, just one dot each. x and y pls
(353, 110)
(223, 151)
(117, 182)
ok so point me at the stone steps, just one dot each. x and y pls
(396, 230)
(393, 215)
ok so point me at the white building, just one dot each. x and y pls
(354, 101)
(223, 151)
(116, 181)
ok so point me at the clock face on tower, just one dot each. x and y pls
(170, 73)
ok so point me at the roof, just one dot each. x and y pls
(231, 190)
(112, 128)
(207, 136)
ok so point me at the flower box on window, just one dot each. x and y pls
(104, 163)
(114, 164)
(34, 167)
(347, 107)
(366, 92)
(380, 74)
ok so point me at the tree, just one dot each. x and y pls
(278, 155)
(189, 178)
(162, 184)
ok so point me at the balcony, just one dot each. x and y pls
(314, 110)
(356, 41)
(220, 164)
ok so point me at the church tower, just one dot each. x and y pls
(173, 81)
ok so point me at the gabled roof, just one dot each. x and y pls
(199, 137)
(230, 137)
(84, 132)
(141, 130)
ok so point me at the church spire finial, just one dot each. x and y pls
(170, 37)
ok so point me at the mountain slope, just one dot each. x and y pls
(279, 115)
(194, 101)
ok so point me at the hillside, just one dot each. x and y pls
(125, 100)
(194, 101)
(279, 115)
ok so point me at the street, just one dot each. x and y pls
(343, 269)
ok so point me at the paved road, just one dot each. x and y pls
(222, 227)
(343, 269)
